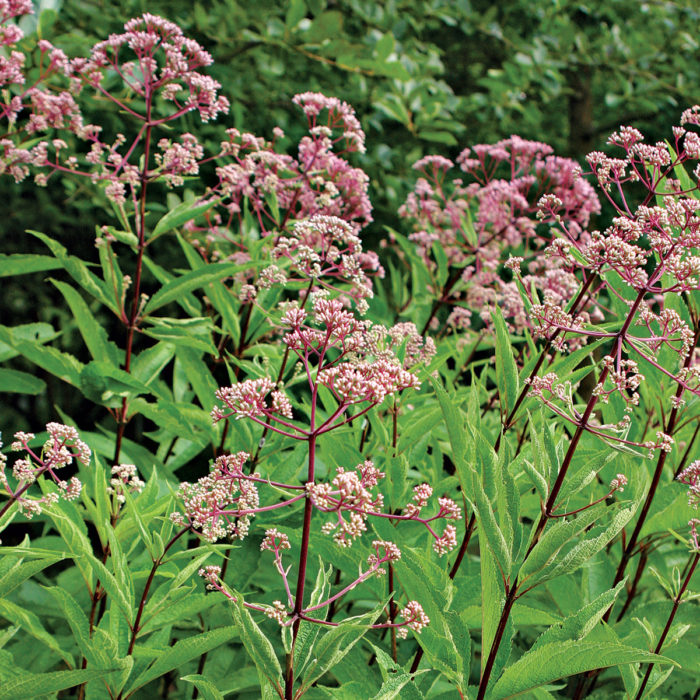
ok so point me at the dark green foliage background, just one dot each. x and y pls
(424, 77)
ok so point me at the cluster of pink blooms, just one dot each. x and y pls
(318, 181)
(358, 362)
(124, 479)
(691, 477)
(160, 59)
(45, 108)
(327, 249)
(350, 498)
(652, 247)
(348, 356)
(62, 447)
(153, 60)
(221, 503)
(481, 223)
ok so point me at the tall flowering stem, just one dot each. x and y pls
(356, 362)
(670, 231)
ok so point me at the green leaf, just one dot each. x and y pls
(454, 420)
(506, 369)
(257, 645)
(79, 271)
(16, 382)
(21, 571)
(384, 47)
(60, 364)
(149, 363)
(226, 303)
(181, 214)
(442, 263)
(195, 333)
(194, 279)
(182, 652)
(595, 541)
(395, 679)
(96, 378)
(554, 538)
(335, 644)
(93, 649)
(492, 600)
(206, 688)
(393, 106)
(438, 136)
(22, 264)
(31, 623)
(32, 685)
(308, 631)
(550, 662)
(577, 626)
(198, 375)
(295, 13)
(93, 333)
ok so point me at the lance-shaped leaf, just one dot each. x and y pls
(33, 685)
(60, 364)
(31, 624)
(308, 631)
(182, 652)
(181, 214)
(554, 538)
(16, 382)
(506, 369)
(550, 662)
(22, 264)
(258, 646)
(91, 330)
(79, 271)
(332, 646)
(577, 626)
(195, 279)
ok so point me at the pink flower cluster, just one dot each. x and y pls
(222, 503)
(651, 247)
(62, 447)
(328, 250)
(350, 357)
(125, 478)
(160, 59)
(478, 225)
(318, 181)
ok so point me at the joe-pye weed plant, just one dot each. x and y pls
(295, 478)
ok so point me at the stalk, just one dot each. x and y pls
(303, 560)
(133, 315)
(674, 610)
(548, 510)
(668, 429)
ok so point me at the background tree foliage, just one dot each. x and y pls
(425, 77)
